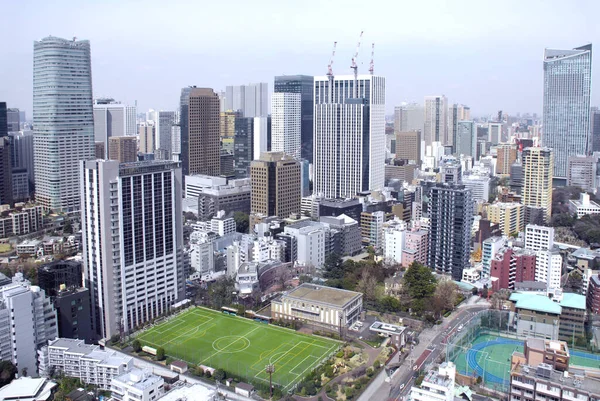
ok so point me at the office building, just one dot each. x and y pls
(466, 139)
(595, 124)
(112, 119)
(243, 146)
(328, 307)
(6, 179)
(337, 207)
(147, 134)
(63, 120)
(27, 322)
(91, 364)
(100, 150)
(226, 164)
(349, 135)
(74, 314)
(479, 185)
(252, 100)
(408, 117)
(581, 172)
(494, 133)
(218, 193)
(134, 207)
(311, 239)
(202, 154)
(506, 156)
(542, 373)
(3, 120)
(181, 148)
(227, 123)
(22, 152)
(436, 120)
(566, 114)
(348, 230)
(509, 216)
(451, 218)
(516, 177)
(60, 274)
(371, 227)
(537, 179)
(275, 181)
(13, 119)
(302, 84)
(286, 119)
(408, 146)
(436, 386)
(165, 120)
(573, 317)
(123, 148)
(20, 185)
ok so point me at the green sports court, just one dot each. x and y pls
(240, 346)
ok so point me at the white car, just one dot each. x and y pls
(401, 386)
(460, 327)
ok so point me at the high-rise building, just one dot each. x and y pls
(408, 146)
(63, 119)
(507, 155)
(3, 120)
(275, 181)
(494, 133)
(122, 148)
(204, 146)
(184, 130)
(581, 172)
(113, 119)
(451, 215)
(566, 117)
(243, 146)
(22, 152)
(537, 179)
(466, 139)
(262, 136)
(595, 124)
(99, 150)
(349, 137)
(147, 134)
(509, 216)
(6, 184)
(252, 100)
(286, 119)
(165, 120)
(302, 84)
(227, 123)
(132, 235)
(13, 119)
(436, 120)
(408, 117)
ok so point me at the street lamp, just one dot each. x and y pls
(270, 369)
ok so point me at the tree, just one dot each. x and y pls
(419, 281)
(8, 371)
(160, 353)
(305, 279)
(219, 375)
(190, 216)
(390, 304)
(446, 294)
(24, 372)
(136, 345)
(333, 266)
(484, 292)
(367, 284)
(242, 222)
(68, 227)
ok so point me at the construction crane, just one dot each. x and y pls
(354, 66)
(330, 65)
(372, 64)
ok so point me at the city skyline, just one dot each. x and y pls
(408, 54)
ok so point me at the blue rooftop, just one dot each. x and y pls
(573, 301)
(534, 302)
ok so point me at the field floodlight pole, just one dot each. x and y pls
(270, 369)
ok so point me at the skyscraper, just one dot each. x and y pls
(408, 117)
(164, 124)
(302, 84)
(566, 117)
(286, 121)
(204, 146)
(6, 162)
(275, 181)
(507, 155)
(436, 120)
(63, 119)
(252, 100)
(14, 120)
(466, 139)
(595, 123)
(451, 216)
(147, 134)
(349, 137)
(494, 133)
(113, 119)
(537, 180)
(408, 146)
(132, 235)
(184, 131)
(122, 148)
(243, 146)
(3, 120)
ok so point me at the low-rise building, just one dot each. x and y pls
(536, 315)
(349, 233)
(28, 389)
(137, 385)
(22, 219)
(436, 386)
(572, 318)
(190, 392)
(583, 206)
(88, 363)
(319, 305)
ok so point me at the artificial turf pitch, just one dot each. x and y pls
(242, 347)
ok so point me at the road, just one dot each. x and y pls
(431, 344)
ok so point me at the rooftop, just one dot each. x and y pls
(319, 293)
(535, 302)
(27, 388)
(573, 301)
(139, 379)
(194, 392)
(572, 378)
(386, 328)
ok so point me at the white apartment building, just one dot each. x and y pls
(88, 363)
(349, 135)
(27, 321)
(436, 386)
(132, 237)
(137, 385)
(222, 225)
(310, 239)
(583, 206)
(394, 236)
(286, 120)
(539, 237)
(548, 268)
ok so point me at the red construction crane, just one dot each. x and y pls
(372, 65)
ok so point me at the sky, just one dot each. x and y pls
(482, 53)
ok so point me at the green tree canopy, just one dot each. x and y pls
(8, 372)
(419, 281)
(242, 222)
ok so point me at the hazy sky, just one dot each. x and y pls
(485, 54)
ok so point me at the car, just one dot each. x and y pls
(460, 327)
(402, 386)
(359, 324)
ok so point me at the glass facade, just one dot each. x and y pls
(567, 90)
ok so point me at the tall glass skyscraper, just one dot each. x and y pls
(567, 90)
(302, 84)
(63, 119)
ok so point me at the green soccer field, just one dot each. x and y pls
(240, 346)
